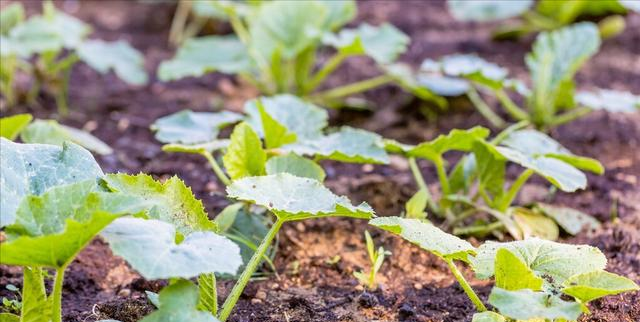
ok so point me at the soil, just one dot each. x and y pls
(312, 284)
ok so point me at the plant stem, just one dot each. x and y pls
(251, 267)
(506, 132)
(56, 293)
(514, 189)
(481, 229)
(465, 286)
(327, 69)
(484, 109)
(179, 21)
(442, 175)
(512, 108)
(216, 168)
(352, 88)
(569, 116)
(422, 184)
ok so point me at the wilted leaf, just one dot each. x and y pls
(119, 56)
(513, 274)
(11, 126)
(533, 224)
(426, 236)
(245, 156)
(609, 100)
(149, 246)
(382, 43)
(178, 303)
(293, 198)
(526, 304)
(51, 132)
(190, 127)
(571, 220)
(487, 10)
(590, 286)
(295, 165)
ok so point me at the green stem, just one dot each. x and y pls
(512, 108)
(478, 229)
(514, 189)
(569, 116)
(442, 175)
(352, 88)
(179, 21)
(251, 267)
(465, 286)
(422, 184)
(484, 109)
(56, 293)
(326, 70)
(216, 168)
(506, 132)
(214, 294)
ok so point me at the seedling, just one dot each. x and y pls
(545, 16)
(58, 41)
(276, 44)
(534, 278)
(552, 64)
(376, 257)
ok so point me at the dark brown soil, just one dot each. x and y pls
(311, 284)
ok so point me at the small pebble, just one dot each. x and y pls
(359, 288)
(262, 295)
(125, 292)
(256, 301)
(417, 286)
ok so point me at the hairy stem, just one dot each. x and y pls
(465, 286)
(352, 88)
(484, 109)
(216, 168)
(56, 293)
(252, 266)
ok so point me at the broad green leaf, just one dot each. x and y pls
(55, 250)
(533, 224)
(304, 119)
(404, 76)
(383, 43)
(119, 56)
(444, 85)
(10, 16)
(487, 10)
(294, 198)
(417, 205)
(286, 28)
(11, 126)
(295, 165)
(458, 140)
(347, 145)
(149, 246)
(35, 306)
(199, 56)
(426, 236)
(609, 100)
(571, 220)
(490, 168)
(526, 304)
(512, 274)
(190, 127)
(566, 12)
(339, 12)
(590, 286)
(555, 58)
(554, 262)
(488, 316)
(51, 132)
(31, 37)
(275, 134)
(31, 169)
(245, 156)
(227, 216)
(178, 303)
(171, 201)
(198, 148)
(469, 67)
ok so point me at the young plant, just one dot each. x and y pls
(552, 64)
(55, 200)
(276, 44)
(376, 257)
(546, 16)
(534, 278)
(58, 41)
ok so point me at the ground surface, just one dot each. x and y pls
(309, 287)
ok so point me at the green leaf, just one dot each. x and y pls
(10, 16)
(555, 262)
(339, 12)
(8, 317)
(526, 304)
(426, 236)
(467, 66)
(487, 316)
(35, 306)
(533, 224)
(513, 274)
(198, 148)
(51, 132)
(593, 285)
(227, 216)
(247, 229)
(55, 250)
(178, 303)
(406, 78)
(571, 220)
(190, 127)
(609, 100)
(208, 300)
(194, 58)
(490, 168)
(295, 165)
(119, 56)
(555, 58)
(417, 205)
(347, 145)
(11, 126)
(149, 246)
(487, 10)
(458, 140)
(383, 43)
(171, 201)
(304, 119)
(294, 198)
(275, 134)
(31, 169)
(245, 156)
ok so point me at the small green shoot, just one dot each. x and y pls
(376, 258)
